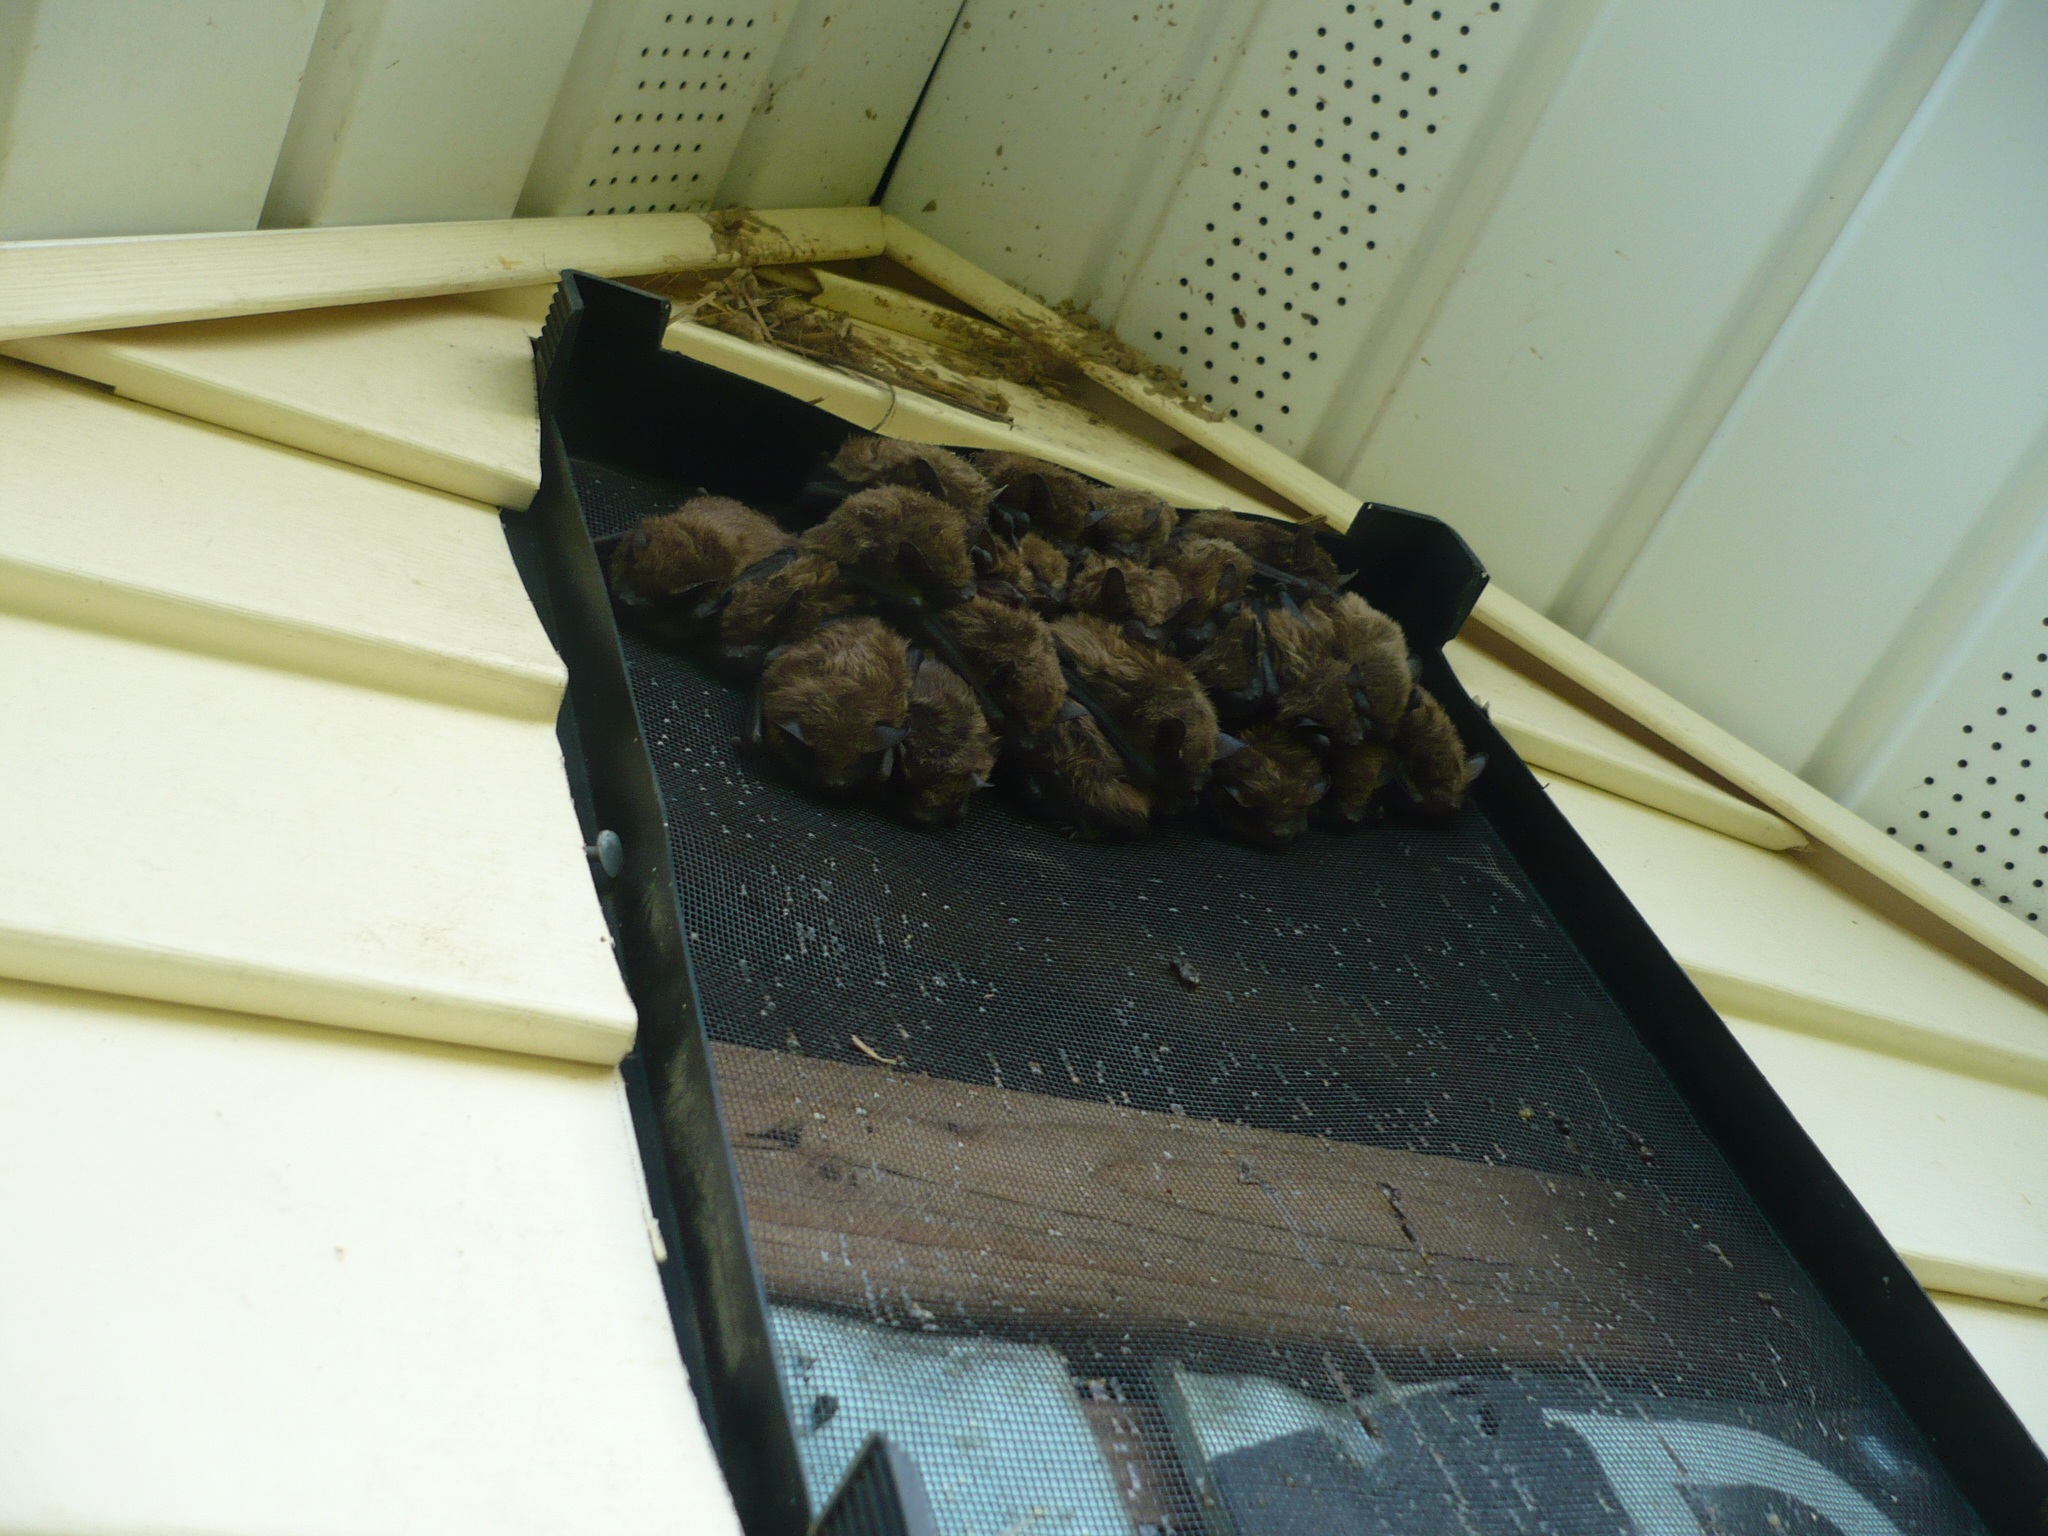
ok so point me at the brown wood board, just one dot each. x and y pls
(926, 1200)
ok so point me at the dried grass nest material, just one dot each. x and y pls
(1202, 665)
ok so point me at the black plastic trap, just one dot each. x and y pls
(1397, 1183)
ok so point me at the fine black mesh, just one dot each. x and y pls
(1176, 1186)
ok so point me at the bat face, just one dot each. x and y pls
(1132, 524)
(949, 752)
(1264, 786)
(833, 707)
(900, 545)
(920, 466)
(669, 573)
(1035, 495)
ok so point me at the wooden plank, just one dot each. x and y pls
(223, 834)
(56, 286)
(1039, 425)
(1953, 1169)
(1012, 1207)
(1549, 732)
(1998, 943)
(293, 1281)
(435, 391)
(119, 518)
(1766, 937)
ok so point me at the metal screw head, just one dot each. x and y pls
(608, 853)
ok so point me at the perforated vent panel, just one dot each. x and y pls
(1315, 179)
(1968, 788)
(653, 112)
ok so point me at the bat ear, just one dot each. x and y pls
(1475, 765)
(913, 561)
(793, 729)
(1345, 578)
(982, 557)
(1073, 709)
(981, 783)
(1414, 669)
(1304, 546)
(1236, 792)
(1231, 582)
(1414, 698)
(1096, 515)
(1037, 497)
(927, 477)
(1116, 591)
(1227, 745)
(883, 737)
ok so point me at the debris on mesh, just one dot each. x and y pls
(956, 623)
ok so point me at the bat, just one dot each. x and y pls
(949, 752)
(1264, 786)
(668, 573)
(1073, 775)
(1140, 598)
(902, 547)
(832, 708)
(1148, 704)
(1031, 495)
(1132, 524)
(1214, 575)
(1433, 772)
(1383, 674)
(864, 461)
(774, 602)
(1283, 555)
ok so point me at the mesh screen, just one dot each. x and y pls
(1176, 1186)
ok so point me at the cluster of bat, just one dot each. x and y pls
(951, 622)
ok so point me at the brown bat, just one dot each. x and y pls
(669, 572)
(1382, 672)
(900, 546)
(1358, 778)
(1031, 571)
(1264, 786)
(1434, 773)
(1284, 555)
(1032, 495)
(949, 751)
(1238, 669)
(1139, 597)
(832, 708)
(780, 600)
(1315, 694)
(1132, 524)
(1072, 775)
(1148, 704)
(1214, 575)
(924, 467)
(1006, 655)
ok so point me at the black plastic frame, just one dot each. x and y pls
(609, 392)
